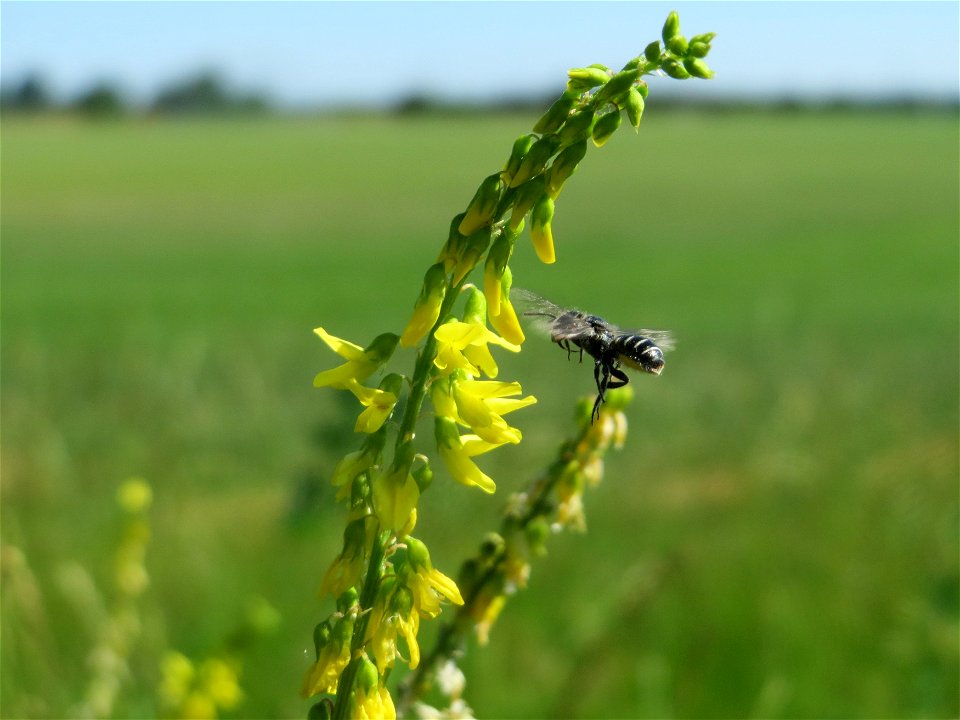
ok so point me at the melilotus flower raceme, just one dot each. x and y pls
(383, 577)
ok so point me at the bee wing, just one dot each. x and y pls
(541, 314)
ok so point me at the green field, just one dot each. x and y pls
(779, 538)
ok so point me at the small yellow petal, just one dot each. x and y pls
(343, 348)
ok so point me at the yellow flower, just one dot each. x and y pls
(395, 496)
(332, 657)
(456, 451)
(177, 677)
(347, 569)
(481, 405)
(427, 584)
(361, 362)
(379, 402)
(392, 616)
(371, 701)
(219, 680)
(463, 345)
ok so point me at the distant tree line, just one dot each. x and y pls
(202, 94)
(206, 94)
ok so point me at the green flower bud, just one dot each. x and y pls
(367, 676)
(493, 544)
(586, 78)
(360, 492)
(678, 45)
(349, 598)
(476, 246)
(698, 49)
(423, 477)
(520, 147)
(475, 308)
(619, 398)
(577, 127)
(454, 245)
(652, 52)
(698, 68)
(484, 204)
(322, 710)
(417, 554)
(500, 253)
(321, 636)
(643, 89)
(564, 165)
(705, 38)
(557, 114)
(605, 127)
(343, 631)
(634, 107)
(537, 532)
(535, 160)
(671, 27)
(617, 86)
(382, 347)
(427, 309)
(527, 195)
(675, 69)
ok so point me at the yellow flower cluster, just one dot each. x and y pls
(189, 691)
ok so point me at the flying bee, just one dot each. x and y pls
(610, 347)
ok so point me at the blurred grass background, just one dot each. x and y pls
(779, 538)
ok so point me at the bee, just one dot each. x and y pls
(610, 347)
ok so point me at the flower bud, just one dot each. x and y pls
(618, 85)
(541, 232)
(535, 160)
(456, 242)
(427, 309)
(557, 114)
(605, 127)
(476, 246)
(497, 260)
(321, 636)
(417, 554)
(698, 49)
(537, 531)
(423, 476)
(367, 676)
(586, 78)
(350, 597)
(520, 147)
(678, 45)
(483, 206)
(564, 165)
(577, 127)
(381, 348)
(675, 69)
(671, 27)
(705, 38)
(475, 308)
(527, 195)
(505, 321)
(698, 68)
(634, 107)
(652, 52)
(322, 710)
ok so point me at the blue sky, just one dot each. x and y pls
(313, 53)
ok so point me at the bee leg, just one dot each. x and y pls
(601, 374)
(621, 378)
